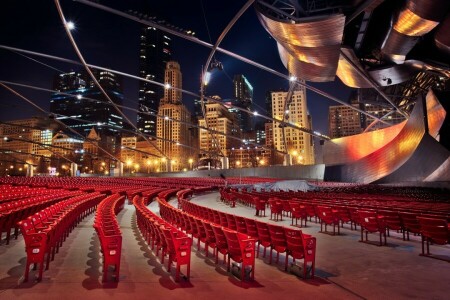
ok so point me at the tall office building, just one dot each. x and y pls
(243, 95)
(25, 140)
(343, 121)
(81, 105)
(173, 128)
(221, 120)
(298, 143)
(155, 50)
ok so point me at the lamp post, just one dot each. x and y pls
(136, 168)
(148, 163)
(129, 163)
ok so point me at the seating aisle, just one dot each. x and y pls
(363, 269)
(340, 273)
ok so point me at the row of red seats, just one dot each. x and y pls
(14, 211)
(109, 234)
(432, 228)
(161, 235)
(371, 201)
(236, 246)
(292, 242)
(45, 231)
(227, 197)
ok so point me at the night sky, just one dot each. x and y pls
(111, 41)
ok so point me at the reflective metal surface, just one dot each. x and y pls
(392, 148)
(309, 48)
(417, 18)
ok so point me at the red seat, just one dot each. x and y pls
(301, 246)
(263, 236)
(178, 249)
(392, 221)
(434, 231)
(241, 249)
(371, 222)
(410, 223)
(221, 242)
(276, 209)
(277, 240)
(328, 216)
(298, 211)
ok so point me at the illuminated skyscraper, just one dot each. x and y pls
(243, 94)
(298, 143)
(82, 106)
(173, 128)
(155, 50)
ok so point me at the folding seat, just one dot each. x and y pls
(263, 236)
(231, 222)
(216, 217)
(410, 223)
(392, 221)
(221, 242)
(307, 251)
(201, 233)
(260, 206)
(343, 215)
(277, 240)
(310, 211)
(178, 250)
(328, 217)
(371, 222)
(276, 208)
(241, 249)
(210, 240)
(434, 231)
(35, 246)
(286, 208)
(298, 211)
(223, 219)
(251, 229)
(355, 218)
(240, 224)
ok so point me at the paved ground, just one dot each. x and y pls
(345, 269)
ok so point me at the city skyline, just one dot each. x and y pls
(220, 84)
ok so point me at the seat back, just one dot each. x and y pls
(434, 229)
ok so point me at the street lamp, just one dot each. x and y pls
(148, 163)
(190, 163)
(129, 163)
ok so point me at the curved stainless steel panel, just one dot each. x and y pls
(416, 19)
(396, 73)
(435, 114)
(397, 151)
(309, 49)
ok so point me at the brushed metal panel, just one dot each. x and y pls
(433, 10)
(388, 158)
(309, 49)
(442, 173)
(308, 71)
(435, 114)
(347, 74)
(398, 44)
(421, 164)
(408, 23)
(352, 148)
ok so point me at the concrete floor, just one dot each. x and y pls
(345, 269)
